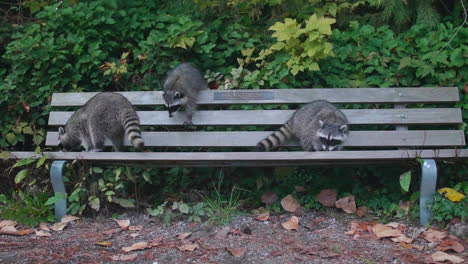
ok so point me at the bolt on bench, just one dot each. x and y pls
(396, 141)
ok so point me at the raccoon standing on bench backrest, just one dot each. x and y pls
(319, 126)
(106, 115)
(181, 88)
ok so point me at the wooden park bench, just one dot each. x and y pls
(403, 133)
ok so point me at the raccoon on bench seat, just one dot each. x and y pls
(319, 126)
(106, 115)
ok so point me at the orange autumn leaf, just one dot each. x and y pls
(291, 224)
(188, 247)
(137, 246)
(263, 217)
(385, 231)
(237, 252)
(290, 204)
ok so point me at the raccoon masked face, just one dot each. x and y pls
(331, 135)
(67, 142)
(174, 100)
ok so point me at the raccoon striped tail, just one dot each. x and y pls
(131, 124)
(275, 139)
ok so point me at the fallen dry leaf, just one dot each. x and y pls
(237, 252)
(449, 244)
(327, 197)
(269, 198)
(357, 227)
(104, 243)
(183, 235)
(123, 257)
(44, 227)
(402, 238)
(188, 247)
(442, 256)
(433, 235)
(4, 223)
(134, 235)
(263, 217)
(385, 231)
(124, 224)
(327, 254)
(69, 218)
(292, 223)
(361, 211)
(347, 204)
(137, 246)
(59, 226)
(393, 225)
(11, 230)
(41, 233)
(135, 228)
(290, 204)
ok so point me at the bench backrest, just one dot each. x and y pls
(383, 108)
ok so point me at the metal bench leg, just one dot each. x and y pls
(56, 177)
(428, 187)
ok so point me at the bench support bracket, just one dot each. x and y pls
(56, 177)
(427, 191)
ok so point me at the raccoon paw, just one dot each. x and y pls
(189, 124)
(260, 147)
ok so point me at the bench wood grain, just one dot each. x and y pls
(411, 138)
(286, 96)
(279, 117)
(275, 159)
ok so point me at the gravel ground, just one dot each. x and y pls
(321, 238)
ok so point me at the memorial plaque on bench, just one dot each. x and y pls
(240, 95)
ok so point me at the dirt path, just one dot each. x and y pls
(320, 239)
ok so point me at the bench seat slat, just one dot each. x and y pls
(278, 117)
(285, 96)
(412, 138)
(220, 159)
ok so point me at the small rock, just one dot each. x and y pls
(459, 230)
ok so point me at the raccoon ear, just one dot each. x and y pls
(61, 131)
(321, 123)
(343, 128)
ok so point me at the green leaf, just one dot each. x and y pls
(4, 155)
(405, 180)
(23, 162)
(41, 161)
(28, 130)
(21, 176)
(56, 198)
(154, 212)
(404, 62)
(127, 203)
(10, 137)
(147, 177)
(94, 203)
(184, 208)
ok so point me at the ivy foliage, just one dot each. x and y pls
(304, 45)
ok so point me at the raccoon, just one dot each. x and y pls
(319, 126)
(106, 115)
(181, 88)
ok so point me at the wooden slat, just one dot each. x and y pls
(278, 117)
(281, 96)
(427, 138)
(224, 159)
